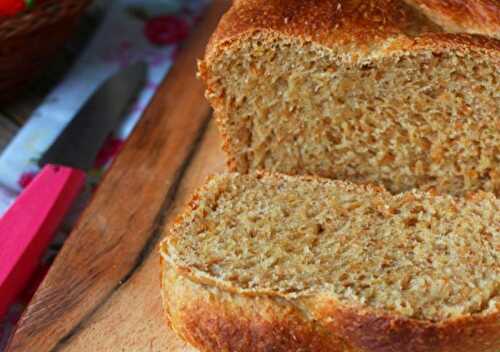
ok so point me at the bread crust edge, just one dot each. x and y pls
(213, 320)
(214, 317)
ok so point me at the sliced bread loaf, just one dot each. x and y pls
(366, 91)
(281, 263)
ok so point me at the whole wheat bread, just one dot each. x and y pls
(366, 91)
(281, 263)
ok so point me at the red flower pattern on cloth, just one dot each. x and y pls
(26, 179)
(111, 147)
(165, 30)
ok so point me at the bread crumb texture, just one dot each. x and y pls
(415, 255)
(363, 91)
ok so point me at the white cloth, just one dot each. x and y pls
(119, 41)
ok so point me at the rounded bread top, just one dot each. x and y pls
(356, 28)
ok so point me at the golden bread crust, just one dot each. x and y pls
(213, 319)
(360, 26)
(475, 17)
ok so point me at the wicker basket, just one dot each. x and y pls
(29, 40)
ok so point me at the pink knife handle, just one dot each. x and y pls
(29, 225)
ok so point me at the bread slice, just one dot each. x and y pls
(282, 263)
(366, 91)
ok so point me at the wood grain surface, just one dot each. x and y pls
(102, 292)
(132, 319)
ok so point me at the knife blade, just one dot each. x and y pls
(77, 146)
(27, 228)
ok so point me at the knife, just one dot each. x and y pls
(27, 228)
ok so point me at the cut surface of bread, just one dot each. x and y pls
(330, 262)
(370, 91)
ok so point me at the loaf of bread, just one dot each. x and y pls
(372, 91)
(288, 263)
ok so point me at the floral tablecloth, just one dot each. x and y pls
(132, 30)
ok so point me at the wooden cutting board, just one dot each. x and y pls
(103, 291)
